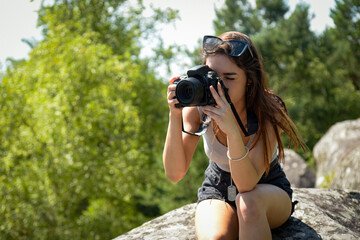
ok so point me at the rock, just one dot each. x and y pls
(337, 156)
(349, 171)
(177, 224)
(297, 171)
(320, 214)
(323, 214)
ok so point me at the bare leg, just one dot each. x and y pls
(215, 219)
(261, 209)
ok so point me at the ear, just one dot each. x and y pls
(249, 86)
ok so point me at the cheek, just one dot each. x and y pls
(236, 91)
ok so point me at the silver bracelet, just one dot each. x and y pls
(239, 159)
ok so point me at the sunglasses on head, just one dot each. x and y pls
(236, 47)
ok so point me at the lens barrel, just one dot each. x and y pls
(190, 92)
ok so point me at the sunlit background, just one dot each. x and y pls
(83, 110)
(18, 21)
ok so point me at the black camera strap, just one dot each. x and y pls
(251, 117)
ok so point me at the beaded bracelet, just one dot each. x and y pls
(238, 159)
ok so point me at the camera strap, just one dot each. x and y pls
(252, 121)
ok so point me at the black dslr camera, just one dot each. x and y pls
(194, 89)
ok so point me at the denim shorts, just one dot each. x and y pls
(217, 181)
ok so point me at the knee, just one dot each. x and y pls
(249, 207)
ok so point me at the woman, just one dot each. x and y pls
(251, 163)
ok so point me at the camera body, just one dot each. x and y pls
(194, 89)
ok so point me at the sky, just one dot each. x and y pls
(18, 20)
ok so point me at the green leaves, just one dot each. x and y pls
(237, 15)
(83, 121)
(81, 127)
(347, 21)
(317, 75)
(273, 10)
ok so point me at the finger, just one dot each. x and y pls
(171, 95)
(170, 92)
(173, 101)
(223, 97)
(212, 114)
(216, 96)
(172, 80)
(221, 91)
(171, 87)
(211, 110)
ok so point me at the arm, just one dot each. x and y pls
(247, 172)
(179, 147)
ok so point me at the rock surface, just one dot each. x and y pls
(337, 156)
(297, 171)
(320, 214)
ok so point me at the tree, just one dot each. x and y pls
(237, 15)
(81, 127)
(305, 69)
(240, 16)
(119, 22)
(272, 11)
(346, 17)
(73, 149)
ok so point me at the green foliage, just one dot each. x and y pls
(316, 75)
(83, 120)
(327, 179)
(78, 138)
(237, 15)
(174, 195)
(346, 17)
(272, 10)
(120, 23)
(82, 126)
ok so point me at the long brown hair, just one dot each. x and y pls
(267, 106)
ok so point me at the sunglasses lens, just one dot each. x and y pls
(210, 43)
(237, 48)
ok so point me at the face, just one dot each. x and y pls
(234, 78)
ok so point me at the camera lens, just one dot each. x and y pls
(189, 91)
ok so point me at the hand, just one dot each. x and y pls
(171, 96)
(221, 113)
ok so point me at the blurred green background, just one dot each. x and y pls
(83, 120)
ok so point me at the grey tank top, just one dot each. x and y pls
(217, 152)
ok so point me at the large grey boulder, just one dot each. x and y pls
(177, 224)
(297, 171)
(337, 156)
(320, 214)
